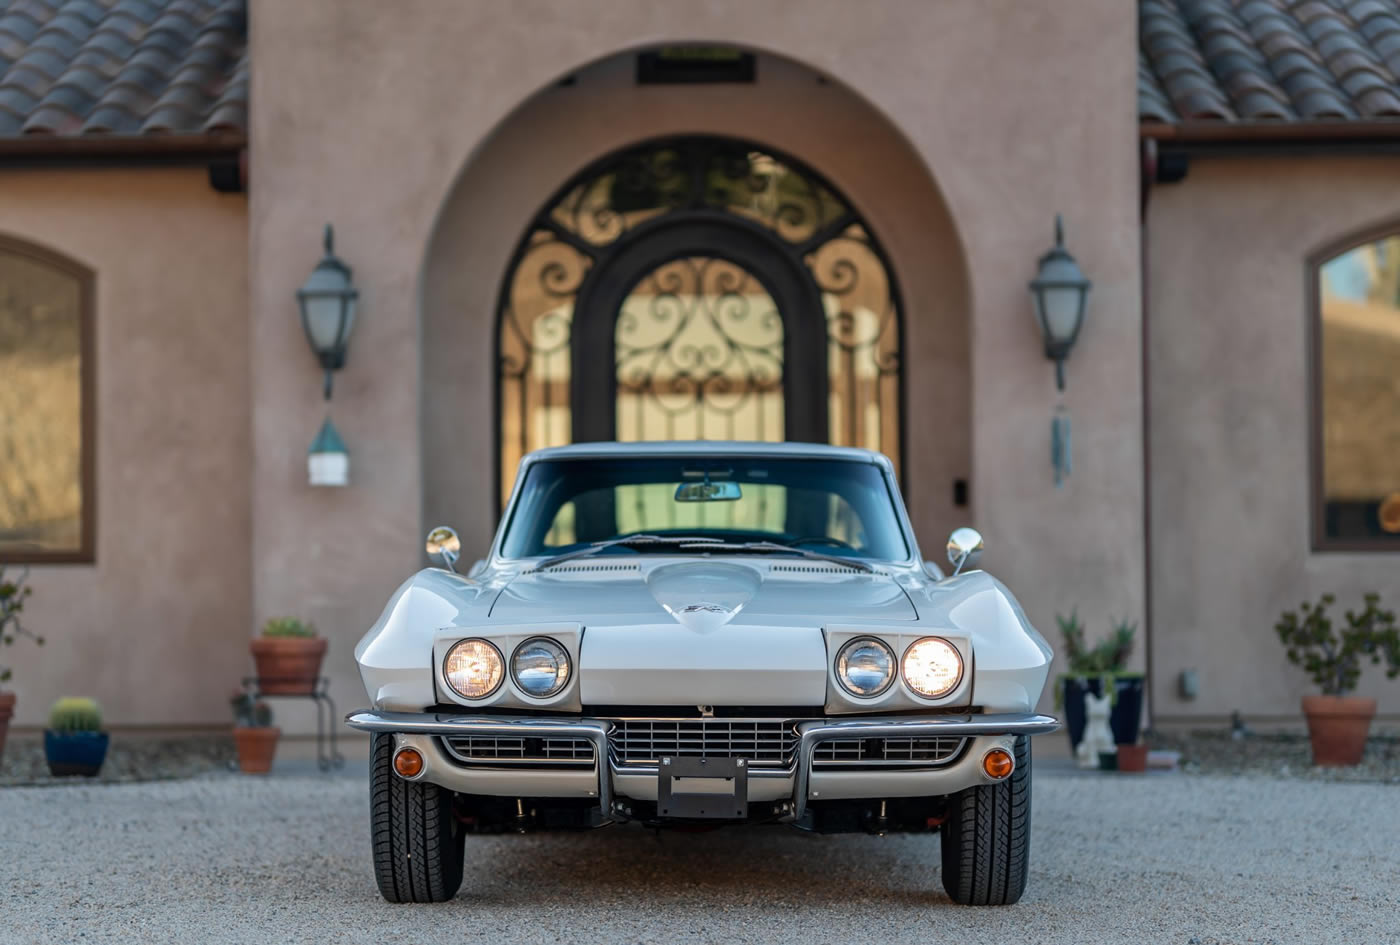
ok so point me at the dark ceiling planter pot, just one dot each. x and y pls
(7, 712)
(1125, 718)
(75, 754)
(255, 746)
(1337, 727)
(288, 666)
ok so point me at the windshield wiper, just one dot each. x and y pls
(625, 541)
(715, 545)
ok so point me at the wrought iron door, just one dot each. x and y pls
(698, 287)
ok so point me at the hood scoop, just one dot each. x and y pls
(703, 596)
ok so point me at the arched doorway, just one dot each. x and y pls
(698, 287)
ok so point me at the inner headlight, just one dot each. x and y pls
(865, 667)
(474, 669)
(540, 667)
(932, 667)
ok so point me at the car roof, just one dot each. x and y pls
(612, 450)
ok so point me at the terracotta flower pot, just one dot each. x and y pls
(256, 745)
(1132, 757)
(1337, 726)
(7, 711)
(288, 666)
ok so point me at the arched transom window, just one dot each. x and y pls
(1357, 385)
(698, 288)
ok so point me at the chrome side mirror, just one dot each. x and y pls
(964, 548)
(443, 541)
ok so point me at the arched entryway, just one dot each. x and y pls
(892, 312)
(698, 287)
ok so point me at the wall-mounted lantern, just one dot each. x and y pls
(327, 300)
(1059, 292)
(327, 461)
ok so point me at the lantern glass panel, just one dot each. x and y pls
(323, 320)
(1060, 307)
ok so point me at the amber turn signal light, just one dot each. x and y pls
(998, 763)
(408, 763)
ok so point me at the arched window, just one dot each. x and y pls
(46, 404)
(1356, 368)
(698, 288)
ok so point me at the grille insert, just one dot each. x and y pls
(539, 752)
(764, 742)
(885, 752)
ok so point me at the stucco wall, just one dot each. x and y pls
(1230, 409)
(156, 630)
(367, 116)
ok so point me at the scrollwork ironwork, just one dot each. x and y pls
(740, 361)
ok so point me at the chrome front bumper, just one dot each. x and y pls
(800, 783)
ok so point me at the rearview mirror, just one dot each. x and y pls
(443, 542)
(964, 548)
(708, 491)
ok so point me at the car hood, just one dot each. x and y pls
(702, 595)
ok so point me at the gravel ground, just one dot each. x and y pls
(128, 759)
(1280, 755)
(1116, 858)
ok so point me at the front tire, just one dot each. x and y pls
(987, 838)
(418, 843)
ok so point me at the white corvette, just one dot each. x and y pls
(703, 633)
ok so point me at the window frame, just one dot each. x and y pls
(86, 552)
(1317, 496)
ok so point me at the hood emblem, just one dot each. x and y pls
(703, 596)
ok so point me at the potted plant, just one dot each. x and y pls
(13, 591)
(288, 657)
(1100, 669)
(254, 736)
(1338, 723)
(74, 743)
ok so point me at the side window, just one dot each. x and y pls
(1357, 386)
(46, 475)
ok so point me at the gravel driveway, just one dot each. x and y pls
(1165, 858)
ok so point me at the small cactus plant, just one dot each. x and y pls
(71, 715)
(288, 627)
(249, 712)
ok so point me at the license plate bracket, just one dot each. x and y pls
(703, 788)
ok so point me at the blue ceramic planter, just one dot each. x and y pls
(75, 754)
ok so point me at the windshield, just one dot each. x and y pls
(837, 507)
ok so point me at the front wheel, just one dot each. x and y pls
(418, 843)
(987, 838)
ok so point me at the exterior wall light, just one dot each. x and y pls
(327, 300)
(1059, 292)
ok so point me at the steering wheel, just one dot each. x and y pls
(822, 540)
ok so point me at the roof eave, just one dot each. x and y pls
(1213, 130)
(161, 146)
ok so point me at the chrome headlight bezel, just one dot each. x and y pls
(941, 693)
(492, 652)
(842, 678)
(562, 677)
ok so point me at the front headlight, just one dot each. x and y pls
(932, 667)
(540, 667)
(865, 667)
(474, 669)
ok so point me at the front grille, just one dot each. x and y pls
(882, 752)
(538, 752)
(763, 742)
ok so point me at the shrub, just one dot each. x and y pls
(13, 592)
(1332, 657)
(288, 627)
(75, 715)
(250, 712)
(1108, 657)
